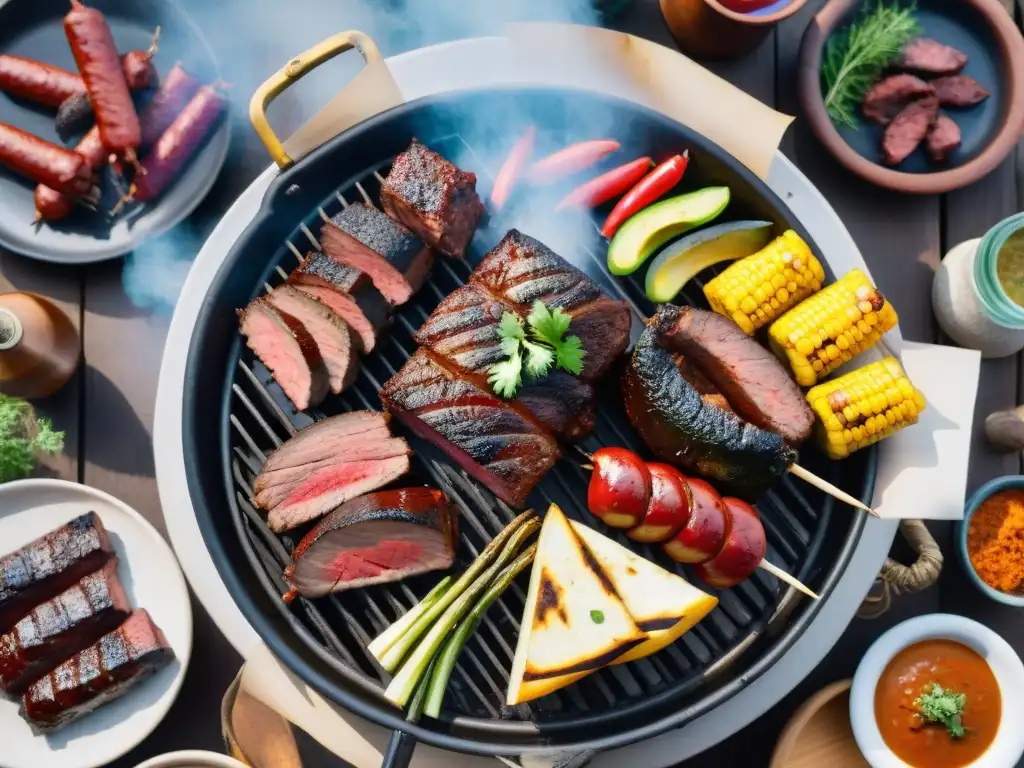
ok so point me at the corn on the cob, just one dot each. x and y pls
(833, 326)
(757, 289)
(863, 407)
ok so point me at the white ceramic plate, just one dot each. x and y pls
(152, 580)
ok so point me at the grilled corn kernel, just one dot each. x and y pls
(832, 327)
(757, 289)
(863, 407)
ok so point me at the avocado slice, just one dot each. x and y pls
(652, 227)
(680, 261)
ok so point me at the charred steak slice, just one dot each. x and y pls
(331, 334)
(523, 270)
(434, 198)
(943, 138)
(889, 96)
(326, 438)
(49, 565)
(463, 331)
(99, 674)
(694, 429)
(348, 292)
(930, 57)
(381, 537)
(908, 129)
(61, 627)
(959, 91)
(751, 378)
(363, 238)
(499, 445)
(288, 351)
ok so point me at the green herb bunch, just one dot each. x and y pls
(938, 705)
(534, 349)
(856, 56)
(22, 438)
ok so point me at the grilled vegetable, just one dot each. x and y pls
(756, 290)
(647, 190)
(669, 507)
(832, 327)
(512, 168)
(606, 186)
(864, 406)
(383, 642)
(703, 536)
(620, 488)
(648, 230)
(744, 548)
(572, 159)
(681, 261)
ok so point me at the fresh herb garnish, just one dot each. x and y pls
(22, 438)
(937, 705)
(536, 351)
(597, 617)
(856, 56)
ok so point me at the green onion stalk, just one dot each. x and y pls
(382, 644)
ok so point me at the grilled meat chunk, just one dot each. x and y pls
(698, 433)
(523, 270)
(498, 443)
(433, 198)
(49, 565)
(331, 334)
(463, 331)
(752, 380)
(61, 627)
(908, 129)
(959, 91)
(930, 57)
(378, 538)
(943, 138)
(288, 351)
(890, 95)
(363, 238)
(99, 674)
(348, 292)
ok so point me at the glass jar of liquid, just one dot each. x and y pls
(39, 346)
(978, 291)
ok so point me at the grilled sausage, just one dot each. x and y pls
(37, 82)
(96, 56)
(177, 144)
(51, 205)
(908, 129)
(45, 163)
(167, 103)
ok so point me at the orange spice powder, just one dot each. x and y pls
(995, 540)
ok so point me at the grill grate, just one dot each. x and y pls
(795, 517)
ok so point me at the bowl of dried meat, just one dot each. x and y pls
(921, 97)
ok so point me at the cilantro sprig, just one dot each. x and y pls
(938, 705)
(534, 348)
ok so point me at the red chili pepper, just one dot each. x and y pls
(647, 190)
(572, 159)
(512, 168)
(606, 186)
(620, 488)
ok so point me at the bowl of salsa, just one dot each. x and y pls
(990, 540)
(939, 691)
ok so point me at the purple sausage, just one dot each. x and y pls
(167, 103)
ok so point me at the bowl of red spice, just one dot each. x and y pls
(991, 539)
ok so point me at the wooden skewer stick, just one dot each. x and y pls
(781, 575)
(831, 490)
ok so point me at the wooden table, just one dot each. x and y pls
(107, 409)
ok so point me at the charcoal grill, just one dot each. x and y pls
(232, 416)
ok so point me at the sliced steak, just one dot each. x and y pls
(890, 95)
(501, 446)
(49, 565)
(943, 138)
(288, 351)
(930, 57)
(348, 292)
(363, 238)
(378, 538)
(908, 129)
(959, 91)
(99, 674)
(523, 270)
(326, 438)
(61, 627)
(755, 384)
(463, 331)
(331, 334)
(434, 198)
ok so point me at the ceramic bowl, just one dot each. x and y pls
(709, 30)
(1008, 745)
(986, 33)
(191, 759)
(999, 484)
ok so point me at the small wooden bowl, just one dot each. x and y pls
(820, 733)
(990, 130)
(708, 30)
